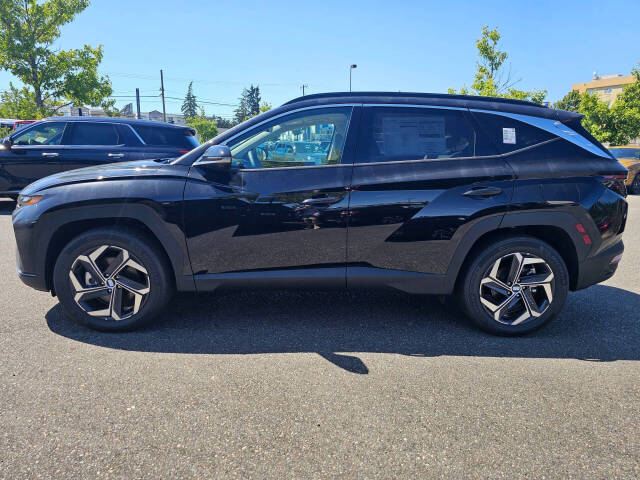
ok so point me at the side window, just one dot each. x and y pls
(410, 133)
(85, 133)
(310, 137)
(49, 133)
(508, 134)
(166, 136)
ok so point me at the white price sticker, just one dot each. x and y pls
(509, 135)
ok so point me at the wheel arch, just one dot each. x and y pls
(554, 228)
(61, 229)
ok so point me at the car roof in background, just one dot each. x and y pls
(631, 147)
(130, 121)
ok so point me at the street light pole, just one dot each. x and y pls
(350, 69)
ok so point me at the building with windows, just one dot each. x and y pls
(606, 87)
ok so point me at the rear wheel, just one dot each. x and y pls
(112, 280)
(515, 286)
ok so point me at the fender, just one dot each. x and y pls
(170, 235)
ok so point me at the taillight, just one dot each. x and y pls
(616, 183)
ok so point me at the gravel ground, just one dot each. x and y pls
(320, 384)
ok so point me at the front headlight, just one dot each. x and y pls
(24, 200)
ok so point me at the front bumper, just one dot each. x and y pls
(600, 267)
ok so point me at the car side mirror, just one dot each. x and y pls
(219, 155)
(7, 143)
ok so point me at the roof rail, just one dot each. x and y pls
(330, 95)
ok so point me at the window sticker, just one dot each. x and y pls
(509, 135)
(408, 135)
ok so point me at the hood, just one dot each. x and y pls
(111, 171)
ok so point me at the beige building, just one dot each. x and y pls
(606, 87)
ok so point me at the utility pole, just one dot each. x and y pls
(164, 110)
(138, 103)
(303, 86)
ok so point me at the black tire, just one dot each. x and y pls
(635, 185)
(142, 250)
(505, 250)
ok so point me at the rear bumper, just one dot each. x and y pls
(600, 267)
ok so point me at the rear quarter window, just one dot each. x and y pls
(507, 134)
(166, 136)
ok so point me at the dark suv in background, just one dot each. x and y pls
(505, 203)
(64, 143)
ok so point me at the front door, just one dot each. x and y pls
(36, 153)
(273, 217)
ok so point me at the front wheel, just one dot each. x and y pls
(515, 286)
(112, 280)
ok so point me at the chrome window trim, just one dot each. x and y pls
(313, 107)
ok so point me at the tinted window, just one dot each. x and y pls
(508, 134)
(311, 137)
(626, 153)
(85, 133)
(49, 133)
(166, 136)
(393, 134)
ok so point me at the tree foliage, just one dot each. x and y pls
(190, 106)
(248, 104)
(52, 78)
(616, 124)
(491, 78)
(205, 127)
(570, 102)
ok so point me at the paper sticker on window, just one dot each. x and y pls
(509, 135)
(419, 135)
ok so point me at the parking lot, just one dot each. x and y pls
(321, 384)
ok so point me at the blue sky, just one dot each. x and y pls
(403, 45)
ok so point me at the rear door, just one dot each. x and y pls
(422, 178)
(37, 152)
(94, 143)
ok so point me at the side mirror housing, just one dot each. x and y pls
(7, 143)
(219, 155)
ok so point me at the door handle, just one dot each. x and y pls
(323, 200)
(50, 154)
(482, 192)
(115, 155)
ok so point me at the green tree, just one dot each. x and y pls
(190, 106)
(570, 102)
(205, 127)
(614, 124)
(28, 30)
(241, 113)
(254, 100)
(265, 107)
(491, 78)
(19, 103)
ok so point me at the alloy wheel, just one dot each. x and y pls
(109, 283)
(517, 288)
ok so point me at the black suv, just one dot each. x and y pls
(505, 203)
(64, 143)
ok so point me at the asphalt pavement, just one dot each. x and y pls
(321, 385)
